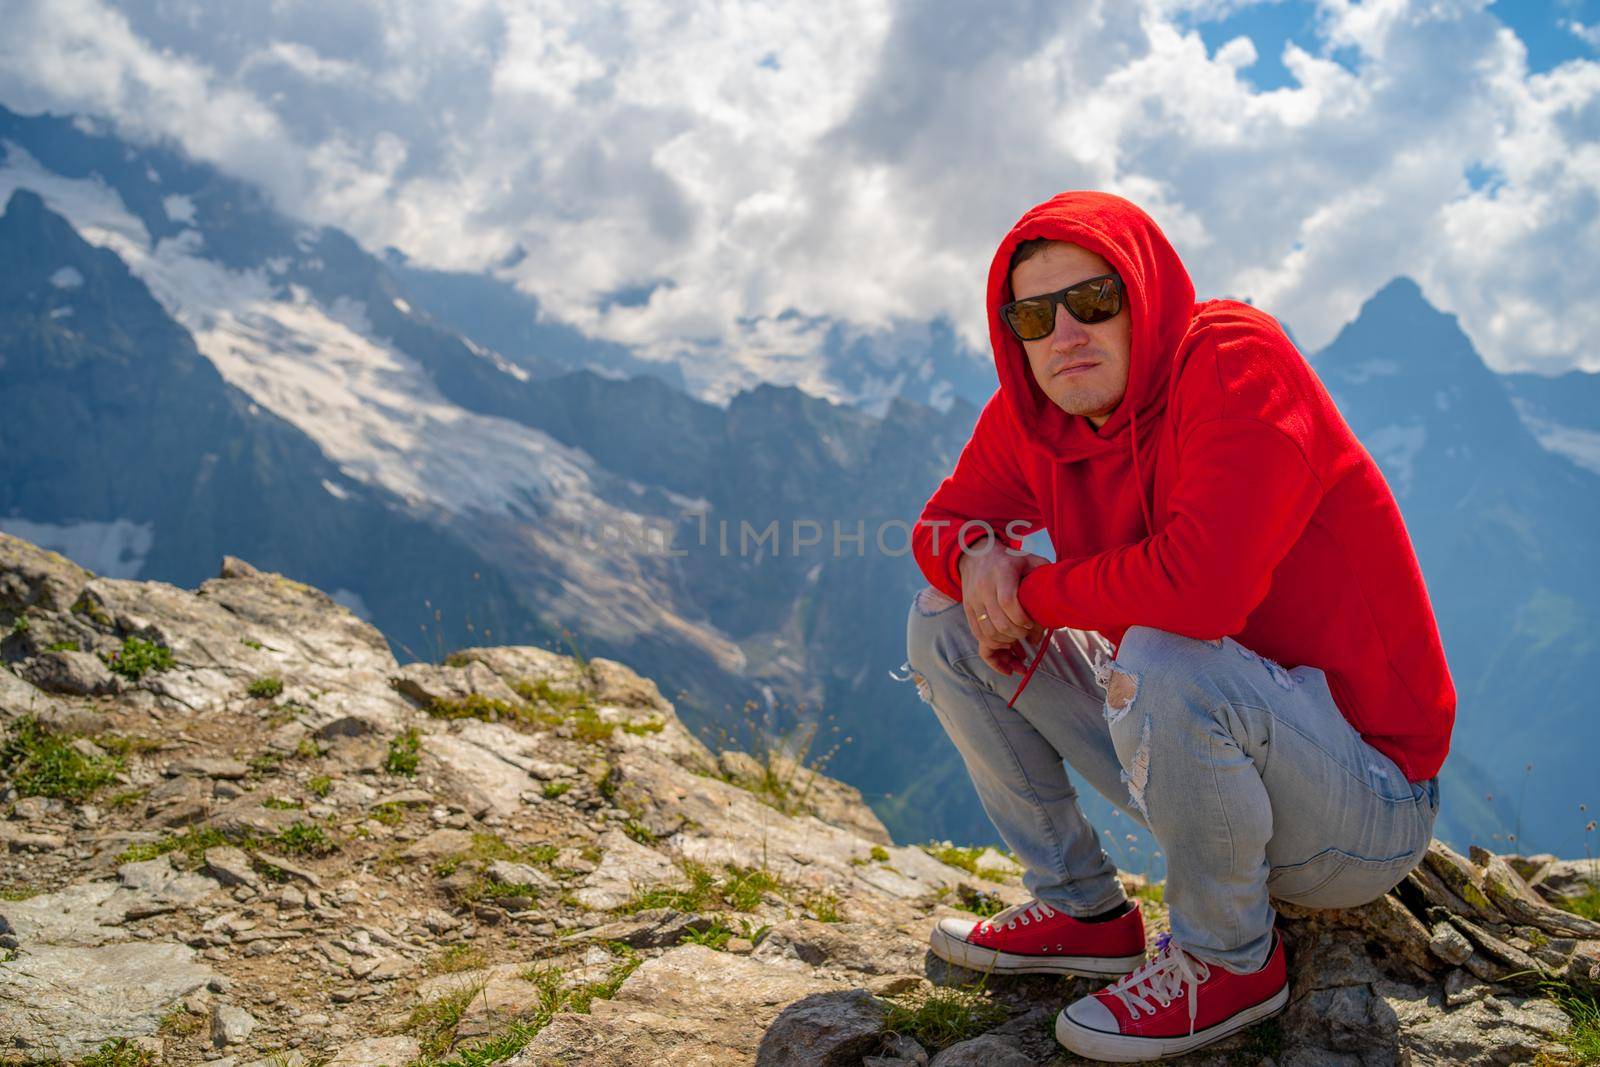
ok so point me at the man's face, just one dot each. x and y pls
(1082, 369)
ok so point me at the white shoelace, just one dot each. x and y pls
(1025, 913)
(1163, 980)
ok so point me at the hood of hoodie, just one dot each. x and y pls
(1159, 296)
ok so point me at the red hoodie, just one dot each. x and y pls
(1225, 495)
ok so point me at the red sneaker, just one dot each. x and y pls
(1034, 938)
(1171, 1005)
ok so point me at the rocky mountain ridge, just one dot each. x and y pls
(238, 832)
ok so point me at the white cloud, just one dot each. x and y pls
(1589, 35)
(860, 158)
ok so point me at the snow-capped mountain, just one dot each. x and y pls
(311, 330)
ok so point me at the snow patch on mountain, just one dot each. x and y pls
(372, 409)
(1577, 444)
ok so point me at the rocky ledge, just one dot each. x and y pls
(237, 831)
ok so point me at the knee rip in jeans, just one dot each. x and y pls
(1122, 689)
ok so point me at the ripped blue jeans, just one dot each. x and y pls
(1246, 774)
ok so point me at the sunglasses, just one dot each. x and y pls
(1090, 301)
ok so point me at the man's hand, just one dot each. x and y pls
(989, 582)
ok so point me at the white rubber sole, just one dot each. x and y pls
(965, 954)
(1117, 1048)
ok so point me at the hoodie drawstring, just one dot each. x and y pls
(1149, 525)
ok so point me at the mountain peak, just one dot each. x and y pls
(24, 202)
(1400, 287)
(29, 220)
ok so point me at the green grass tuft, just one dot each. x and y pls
(40, 763)
(301, 839)
(434, 1023)
(1582, 1037)
(405, 751)
(644, 726)
(977, 902)
(456, 958)
(944, 1016)
(137, 657)
(1154, 892)
(964, 858)
(267, 686)
(306, 839)
(716, 936)
(119, 1052)
(739, 888)
(1587, 905)
(191, 844)
(824, 907)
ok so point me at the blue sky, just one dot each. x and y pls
(1545, 27)
(676, 175)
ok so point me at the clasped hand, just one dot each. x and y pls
(989, 583)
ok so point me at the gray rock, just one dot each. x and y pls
(625, 868)
(405, 796)
(230, 1025)
(18, 697)
(492, 757)
(377, 1052)
(297, 871)
(85, 914)
(439, 845)
(506, 872)
(64, 1001)
(843, 947)
(653, 928)
(824, 1028)
(207, 767)
(1449, 944)
(905, 1048)
(29, 841)
(71, 673)
(231, 866)
(987, 1050)
(428, 684)
(1489, 1030)
(691, 1006)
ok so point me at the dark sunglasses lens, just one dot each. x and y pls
(1095, 301)
(1032, 319)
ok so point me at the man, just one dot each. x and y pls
(1278, 704)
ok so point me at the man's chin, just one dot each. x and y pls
(1078, 404)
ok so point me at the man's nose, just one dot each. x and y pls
(1069, 332)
